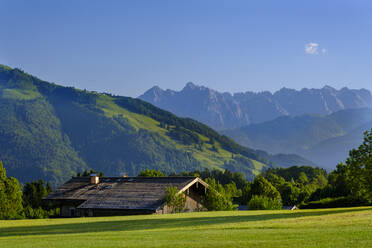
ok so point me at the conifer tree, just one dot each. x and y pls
(10, 196)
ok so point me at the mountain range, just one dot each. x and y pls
(52, 132)
(226, 111)
(319, 124)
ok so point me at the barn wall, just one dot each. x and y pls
(67, 209)
(67, 206)
(192, 205)
(119, 212)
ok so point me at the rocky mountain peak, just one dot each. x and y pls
(190, 86)
(225, 111)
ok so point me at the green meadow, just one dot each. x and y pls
(342, 227)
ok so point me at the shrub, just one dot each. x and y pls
(39, 213)
(176, 202)
(263, 203)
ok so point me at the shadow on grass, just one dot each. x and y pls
(157, 223)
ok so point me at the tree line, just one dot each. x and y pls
(307, 187)
(26, 202)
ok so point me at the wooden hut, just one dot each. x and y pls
(107, 196)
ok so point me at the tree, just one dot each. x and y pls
(10, 196)
(175, 201)
(359, 170)
(297, 184)
(296, 172)
(337, 182)
(151, 173)
(33, 204)
(263, 187)
(34, 192)
(275, 180)
(2, 172)
(303, 179)
(219, 197)
(246, 194)
(289, 193)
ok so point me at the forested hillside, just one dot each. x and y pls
(52, 132)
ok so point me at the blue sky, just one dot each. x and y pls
(126, 47)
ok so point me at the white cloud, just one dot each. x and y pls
(312, 48)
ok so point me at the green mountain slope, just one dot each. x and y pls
(51, 132)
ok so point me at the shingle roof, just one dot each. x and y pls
(119, 192)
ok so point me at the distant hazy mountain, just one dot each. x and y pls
(326, 140)
(226, 111)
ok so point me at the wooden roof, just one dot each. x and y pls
(121, 192)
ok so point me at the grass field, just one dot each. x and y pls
(347, 227)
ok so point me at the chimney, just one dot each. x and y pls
(123, 174)
(94, 179)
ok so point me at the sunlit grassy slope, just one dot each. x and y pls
(19, 94)
(207, 157)
(350, 227)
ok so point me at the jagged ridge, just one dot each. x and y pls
(226, 111)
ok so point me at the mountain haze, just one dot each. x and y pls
(226, 111)
(325, 139)
(52, 132)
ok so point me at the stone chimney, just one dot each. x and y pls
(123, 174)
(94, 179)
